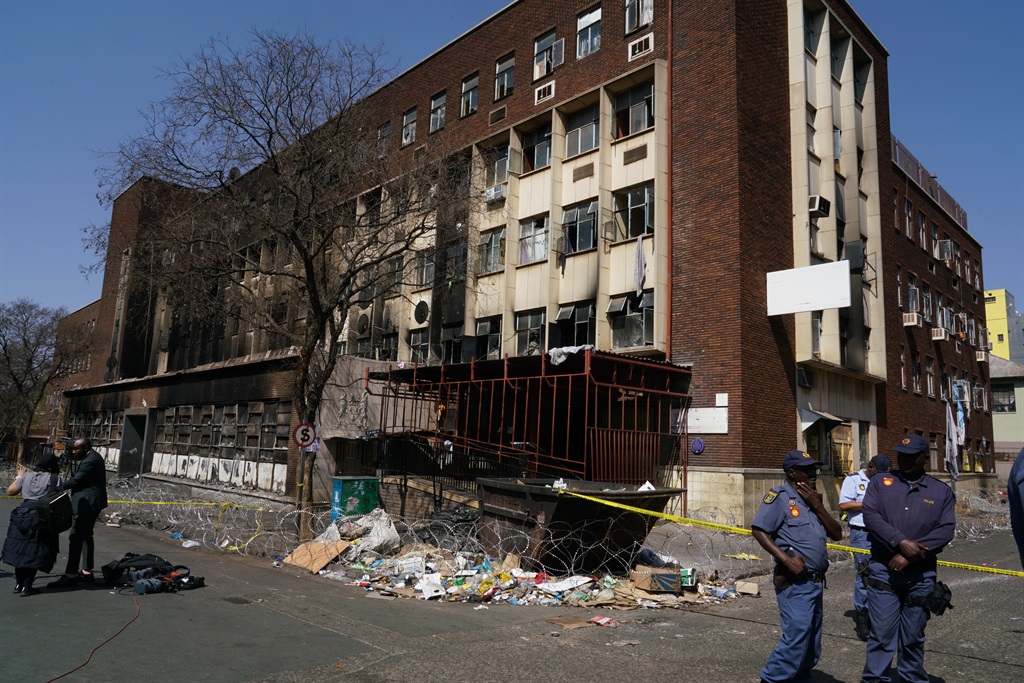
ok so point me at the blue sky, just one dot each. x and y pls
(73, 76)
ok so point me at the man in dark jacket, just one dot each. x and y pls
(88, 498)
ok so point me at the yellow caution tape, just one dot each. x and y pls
(740, 530)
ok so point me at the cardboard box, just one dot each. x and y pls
(655, 580)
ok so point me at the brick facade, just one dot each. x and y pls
(729, 161)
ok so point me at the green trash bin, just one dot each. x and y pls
(354, 496)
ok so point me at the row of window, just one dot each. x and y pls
(633, 112)
(954, 387)
(915, 226)
(632, 217)
(941, 311)
(548, 54)
(630, 317)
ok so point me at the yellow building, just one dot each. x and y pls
(998, 309)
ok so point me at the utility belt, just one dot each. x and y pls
(936, 601)
(783, 579)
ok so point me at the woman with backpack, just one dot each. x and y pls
(30, 546)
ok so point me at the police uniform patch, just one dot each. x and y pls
(770, 497)
(794, 511)
(887, 481)
(861, 487)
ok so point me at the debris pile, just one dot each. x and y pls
(369, 552)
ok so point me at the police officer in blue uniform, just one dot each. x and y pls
(910, 517)
(792, 525)
(851, 497)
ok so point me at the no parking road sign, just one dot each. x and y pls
(304, 435)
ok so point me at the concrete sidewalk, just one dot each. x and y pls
(255, 622)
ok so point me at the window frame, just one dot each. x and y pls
(409, 127)
(588, 36)
(1004, 399)
(425, 270)
(544, 54)
(629, 105)
(504, 76)
(496, 170)
(488, 338)
(571, 225)
(633, 308)
(537, 148)
(593, 116)
(639, 13)
(491, 251)
(383, 139)
(438, 105)
(469, 103)
(419, 345)
(533, 238)
(580, 318)
(530, 329)
(624, 210)
(451, 342)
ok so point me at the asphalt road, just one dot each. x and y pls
(255, 622)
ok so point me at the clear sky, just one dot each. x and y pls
(73, 76)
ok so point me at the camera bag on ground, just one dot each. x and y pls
(150, 574)
(54, 509)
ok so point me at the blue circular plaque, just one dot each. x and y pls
(697, 446)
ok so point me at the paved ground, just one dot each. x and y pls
(255, 622)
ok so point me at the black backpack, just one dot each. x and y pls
(54, 509)
(149, 574)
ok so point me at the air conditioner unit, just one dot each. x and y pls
(805, 377)
(940, 334)
(912, 320)
(494, 193)
(818, 206)
(981, 356)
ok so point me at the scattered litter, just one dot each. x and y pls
(367, 552)
(191, 544)
(605, 621)
(566, 584)
(381, 596)
(646, 486)
(623, 643)
(569, 623)
(747, 588)
(314, 555)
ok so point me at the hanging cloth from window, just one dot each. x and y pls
(951, 438)
(640, 266)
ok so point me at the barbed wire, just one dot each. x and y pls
(266, 528)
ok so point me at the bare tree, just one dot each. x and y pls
(32, 358)
(301, 203)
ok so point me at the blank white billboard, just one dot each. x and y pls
(812, 288)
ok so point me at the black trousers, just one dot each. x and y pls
(24, 577)
(81, 547)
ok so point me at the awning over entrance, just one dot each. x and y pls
(809, 416)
